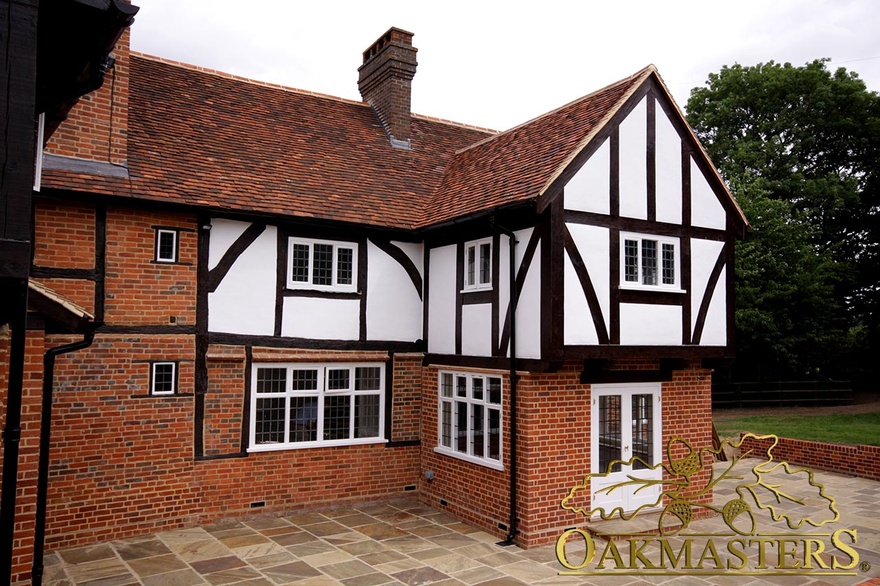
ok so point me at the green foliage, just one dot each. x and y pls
(800, 150)
(844, 429)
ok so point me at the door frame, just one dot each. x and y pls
(625, 498)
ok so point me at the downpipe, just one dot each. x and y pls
(512, 527)
(45, 438)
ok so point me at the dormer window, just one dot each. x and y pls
(478, 265)
(649, 262)
(322, 264)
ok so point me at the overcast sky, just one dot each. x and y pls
(497, 64)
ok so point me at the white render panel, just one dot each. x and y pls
(441, 300)
(321, 319)
(590, 188)
(594, 245)
(578, 326)
(244, 302)
(528, 308)
(223, 234)
(715, 326)
(668, 169)
(476, 330)
(650, 325)
(633, 168)
(706, 210)
(394, 309)
(416, 253)
(704, 255)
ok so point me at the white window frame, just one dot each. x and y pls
(175, 239)
(453, 402)
(309, 284)
(154, 366)
(475, 282)
(321, 393)
(639, 284)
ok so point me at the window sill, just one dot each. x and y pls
(315, 444)
(476, 289)
(652, 288)
(493, 464)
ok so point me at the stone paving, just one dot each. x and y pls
(408, 543)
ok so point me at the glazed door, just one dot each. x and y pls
(626, 435)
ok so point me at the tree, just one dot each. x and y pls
(800, 149)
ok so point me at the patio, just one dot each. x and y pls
(404, 542)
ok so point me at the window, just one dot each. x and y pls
(320, 264)
(313, 405)
(163, 378)
(478, 264)
(166, 245)
(649, 262)
(469, 417)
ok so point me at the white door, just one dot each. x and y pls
(626, 422)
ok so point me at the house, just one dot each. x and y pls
(300, 301)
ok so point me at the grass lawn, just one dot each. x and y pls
(842, 429)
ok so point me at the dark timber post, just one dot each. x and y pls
(18, 74)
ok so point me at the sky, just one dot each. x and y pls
(498, 64)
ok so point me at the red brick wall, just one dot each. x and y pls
(121, 459)
(292, 479)
(97, 126)
(140, 291)
(407, 400)
(25, 504)
(553, 449)
(850, 459)
(123, 462)
(475, 493)
(224, 400)
(64, 234)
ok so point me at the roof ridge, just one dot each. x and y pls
(625, 80)
(454, 123)
(231, 76)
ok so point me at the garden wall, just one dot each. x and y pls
(851, 459)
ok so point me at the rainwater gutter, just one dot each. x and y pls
(512, 527)
(45, 438)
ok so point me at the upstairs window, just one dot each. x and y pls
(322, 264)
(166, 245)
(649, 262)
(163, 378)
(314, 405)
(478, 265)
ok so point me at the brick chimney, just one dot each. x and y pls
(385, 82)
(96, 128)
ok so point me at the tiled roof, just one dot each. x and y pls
(519, 164)
(213, 140)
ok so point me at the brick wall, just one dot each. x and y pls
(407, 399)
(121, 459)
(64, 234)
(140, 291)
(97, 126)
(850, 459)
(474, 493)
(553, 449)
(25, 504)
